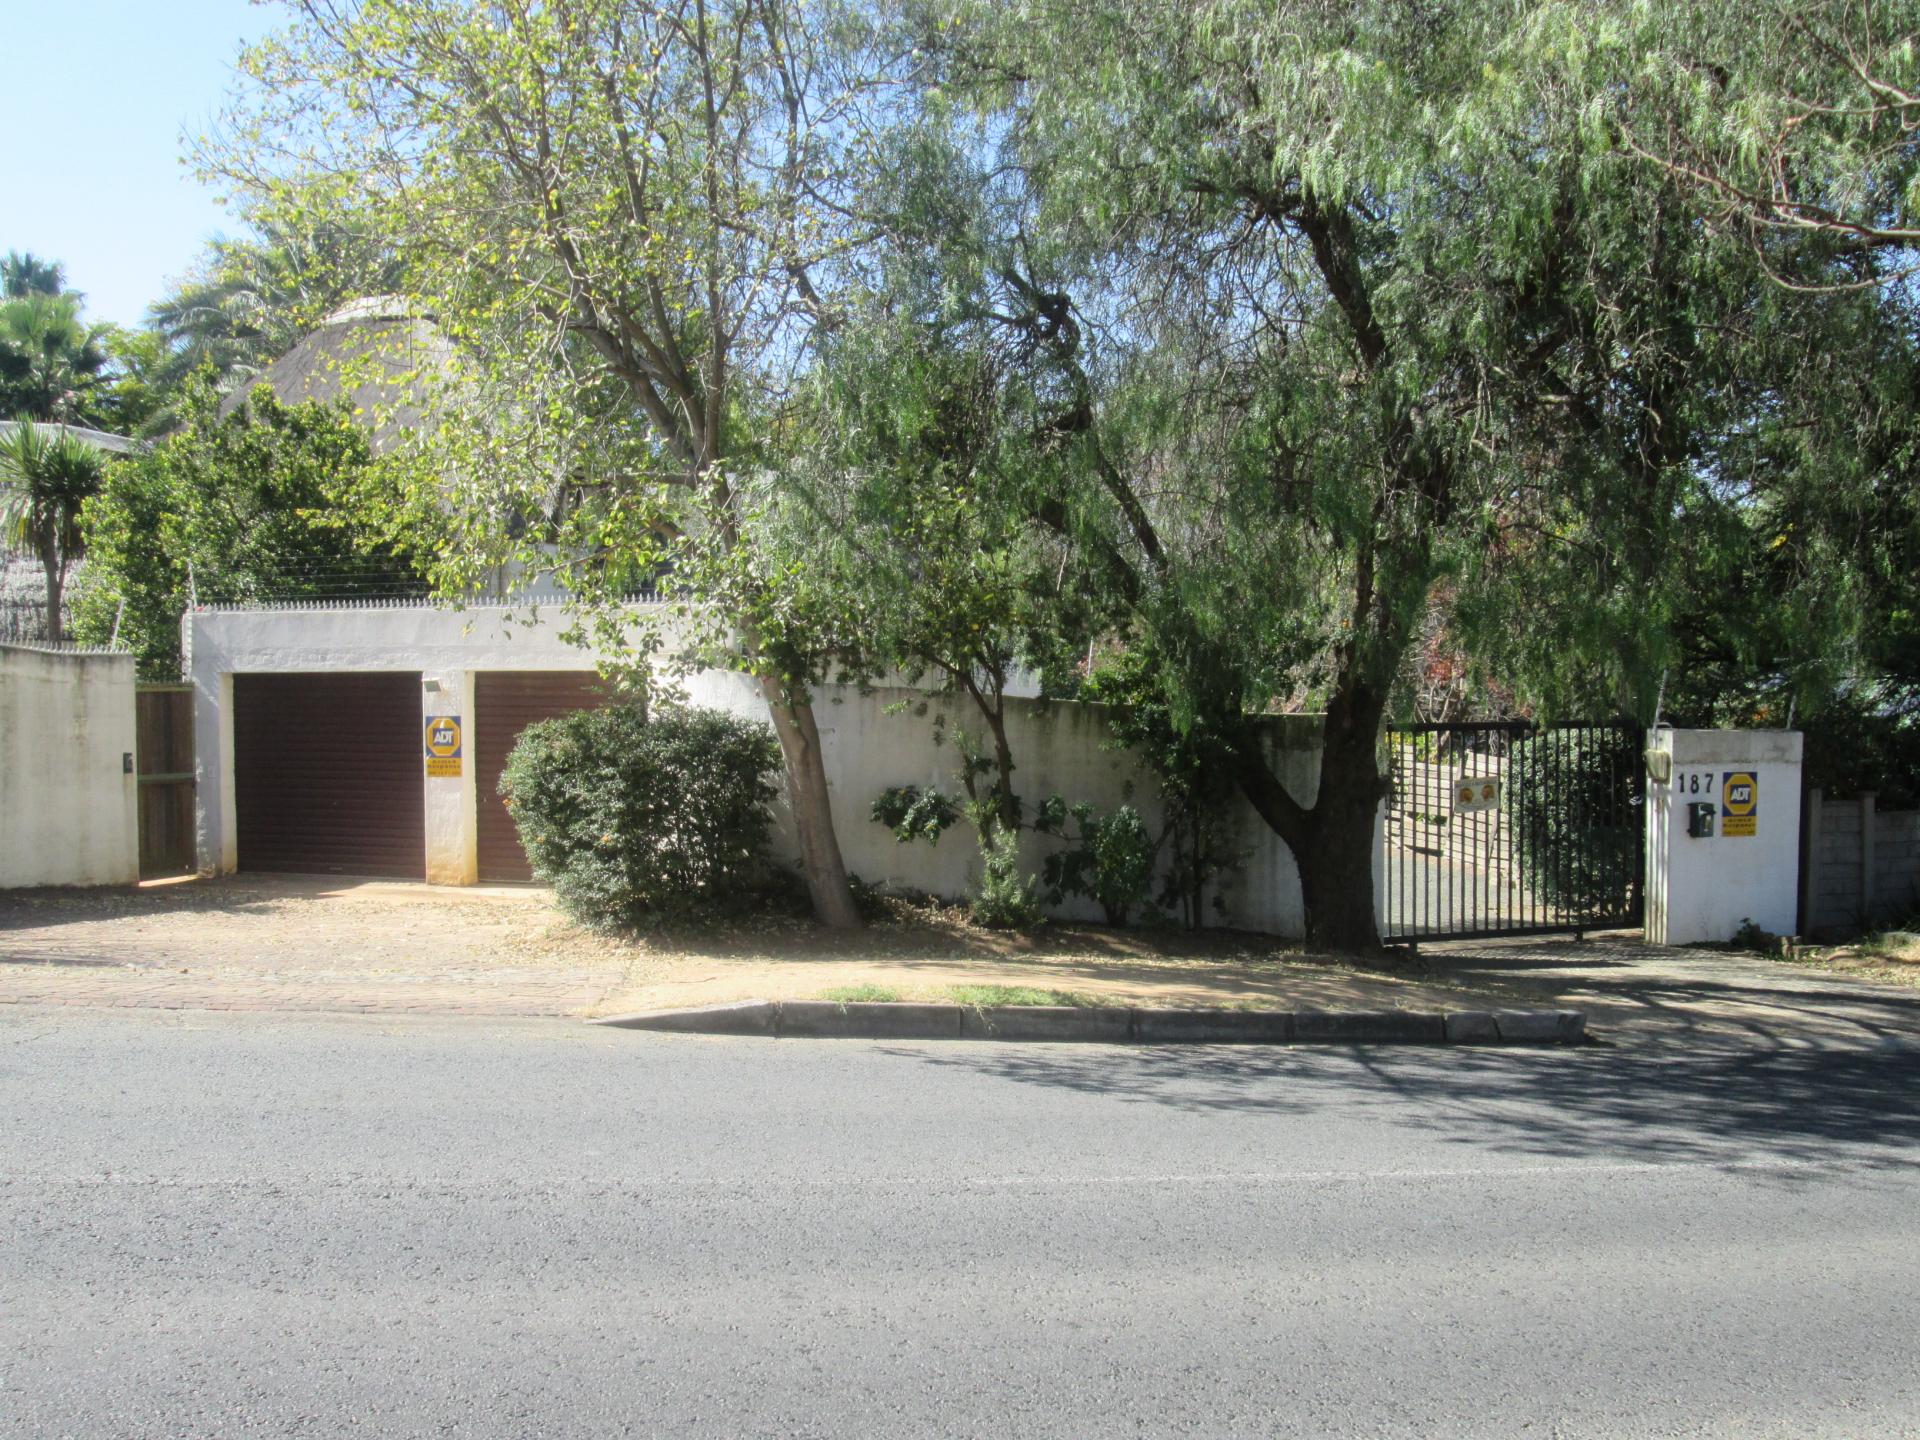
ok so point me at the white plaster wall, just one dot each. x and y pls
(442, 644)
(1060, 749)
(69, 809)
(1704, 889)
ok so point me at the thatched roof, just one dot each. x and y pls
(97, 439)
(383, 355)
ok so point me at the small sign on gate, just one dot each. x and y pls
(443, 747)
(1476, 792)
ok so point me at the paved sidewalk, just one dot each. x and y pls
(1702, 997)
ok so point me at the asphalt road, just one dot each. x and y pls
(225, 1225)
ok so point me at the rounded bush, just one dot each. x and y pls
(634, 818)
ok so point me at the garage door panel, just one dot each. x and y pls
(328, 776)
(505, 702)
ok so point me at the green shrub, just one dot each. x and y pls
(635, 818)
(1574, 828)
(1006, 899)
(1110, 860)
(914, 814)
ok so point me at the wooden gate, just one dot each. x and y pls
(163, 737)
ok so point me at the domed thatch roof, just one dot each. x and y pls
(383, 355)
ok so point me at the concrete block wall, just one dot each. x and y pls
(69, 800)
(1862, 865)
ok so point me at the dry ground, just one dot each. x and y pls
(309, 944)
(298, 943)
(1891, 958)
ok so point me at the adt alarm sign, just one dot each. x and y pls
(1739, 803)
(443, 747)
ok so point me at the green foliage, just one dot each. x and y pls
(636, 818)
(1567, 802)
(251, 506)
(1109, 858)
(46, 475)
(913, 813)
(249, 300)
(1006, 899)
(1191, 760)
(51, 360)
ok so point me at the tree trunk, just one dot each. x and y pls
(1007, 805)
(820, 862)
(1331, 840)
(1336, 867)
(56, 582)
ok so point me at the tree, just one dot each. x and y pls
(912, 500)
(619, 213)
(1790, 122)
(250, 300)
(46, 475)
(243, 507)
(50, 358)
(27, 274)
(1334, 306)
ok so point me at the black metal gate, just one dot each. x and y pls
(1507, 828)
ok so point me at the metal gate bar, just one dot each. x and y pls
(1507, 828)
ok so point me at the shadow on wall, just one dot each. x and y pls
(1813, 1107)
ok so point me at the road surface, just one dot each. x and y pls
(254, 1224)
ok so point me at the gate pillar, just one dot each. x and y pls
(1723, 833)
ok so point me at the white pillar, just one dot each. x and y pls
(1704, 887)
(446, 751)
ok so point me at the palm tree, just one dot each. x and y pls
(252, 299)
(46, 473)
(50, 358)
(28, 274)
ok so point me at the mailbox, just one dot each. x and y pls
(1700, 820)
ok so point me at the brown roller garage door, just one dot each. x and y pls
(505, 702)
(327, 774)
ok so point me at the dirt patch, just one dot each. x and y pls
(926, 950)
(1889, 959)
(307, 944)
(295, 943)
(303, 943)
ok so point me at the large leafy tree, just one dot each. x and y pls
(1339, 305)
(234, 508)
(620, 212)
(913, 503)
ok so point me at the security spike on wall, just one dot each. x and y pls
(411, 602)
(48, 647)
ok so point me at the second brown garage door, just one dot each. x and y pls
(327, 774)
(505, 702)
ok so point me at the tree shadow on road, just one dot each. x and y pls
(1788, 1107)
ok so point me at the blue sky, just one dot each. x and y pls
(95, 96)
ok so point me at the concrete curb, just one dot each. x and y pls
(878, 1020)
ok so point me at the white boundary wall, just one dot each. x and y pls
(1704, 888)
(69, 801)
(1060, 748)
